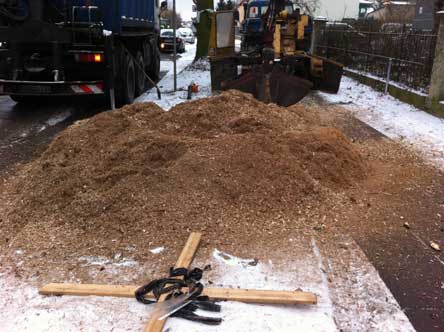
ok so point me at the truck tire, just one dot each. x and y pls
(141, 81)
(128, 81)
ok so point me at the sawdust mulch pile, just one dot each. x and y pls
(240, 171)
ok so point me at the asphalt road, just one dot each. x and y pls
(27, 129)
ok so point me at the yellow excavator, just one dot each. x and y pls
(273, 63)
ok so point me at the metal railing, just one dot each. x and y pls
(405, 58)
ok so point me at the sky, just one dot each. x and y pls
(334, 10)
(184, 7)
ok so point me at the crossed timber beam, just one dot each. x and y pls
(184, 261)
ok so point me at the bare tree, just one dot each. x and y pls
(310, 6)
(392, 12)
(225, 5)
(439, 6)
(168, 15)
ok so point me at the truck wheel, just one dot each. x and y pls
(129, 81)
(141, 82)
(154, 70)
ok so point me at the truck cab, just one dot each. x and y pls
(252, 26)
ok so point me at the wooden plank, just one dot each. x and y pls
(185, 259)
(222, 294)
(260, 296)
(189, 251)
(89, 290)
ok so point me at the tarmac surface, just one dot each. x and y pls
(26, 129)
(404, 259)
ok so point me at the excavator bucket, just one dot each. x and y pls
(332, 76)
(327, 74)
(286, 89)
(271, 84)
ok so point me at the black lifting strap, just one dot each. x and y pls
(173, 287)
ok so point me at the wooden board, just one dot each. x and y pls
(184, 261)
(222, 294)
(189, 251)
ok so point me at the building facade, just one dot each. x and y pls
(336, 10)
(424, 16)
(394, 12)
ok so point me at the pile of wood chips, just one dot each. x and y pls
(236, 169)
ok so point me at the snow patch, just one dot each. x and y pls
(188, 72)
(231, 260)
(56, 119)
(384, 80)
(100, 261)
(417, 129)
(22, 309)
(157, 250)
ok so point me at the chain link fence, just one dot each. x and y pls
(405, 58)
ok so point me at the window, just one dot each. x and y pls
(167, 34)
(254, 12)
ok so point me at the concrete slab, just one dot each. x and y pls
(352, 297)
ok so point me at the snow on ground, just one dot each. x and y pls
(400, 121)
(157, 250)
(188, 73)
(57, 118)
(351, 297)
(383, 80)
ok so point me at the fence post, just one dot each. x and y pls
(436, 92)
(389, 73)
(318, 25)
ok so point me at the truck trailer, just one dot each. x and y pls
(78, 47)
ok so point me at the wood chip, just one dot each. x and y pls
(435, 246)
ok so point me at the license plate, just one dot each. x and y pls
(34, 89)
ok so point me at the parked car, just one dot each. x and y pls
(340, 26)
(188, 35)
(167, 41)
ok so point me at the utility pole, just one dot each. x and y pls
(174, 46)
(204, 8)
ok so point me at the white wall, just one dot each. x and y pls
(338, 9)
